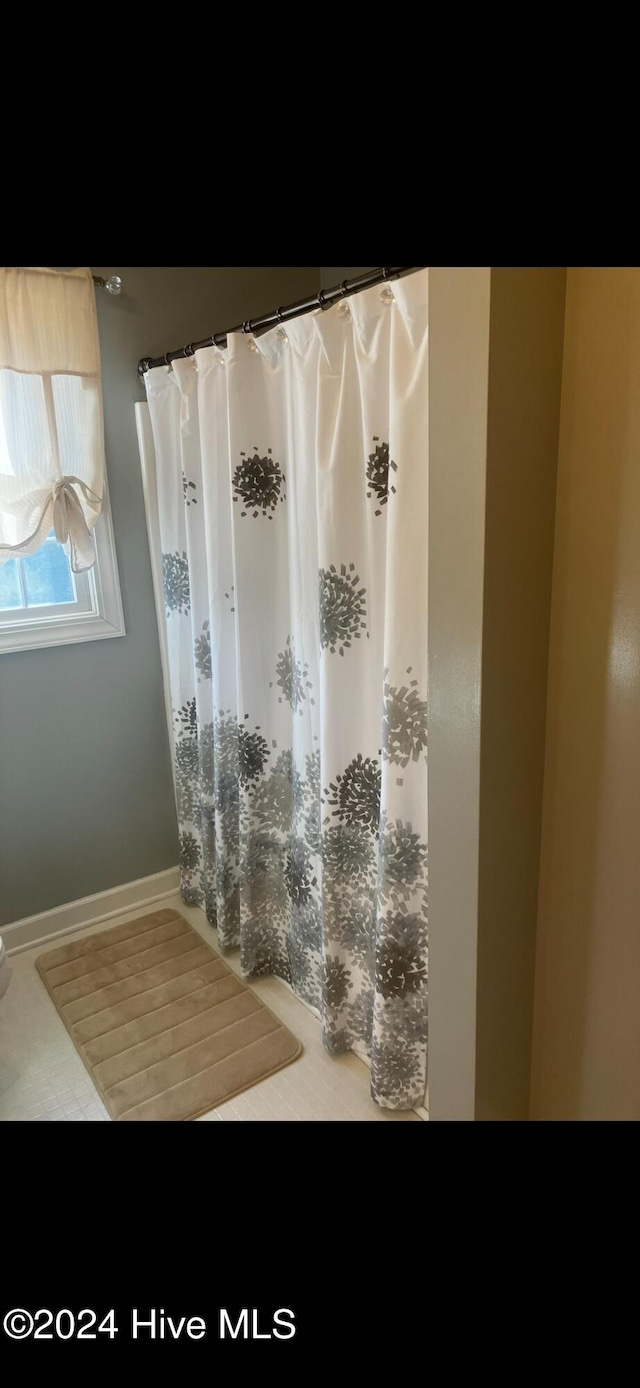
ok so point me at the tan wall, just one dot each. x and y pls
(459, 305)
(586, 1050)
(495, 352)
(525, 377)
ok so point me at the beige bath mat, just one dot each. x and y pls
(164, 1027)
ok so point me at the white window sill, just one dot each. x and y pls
(106, 619)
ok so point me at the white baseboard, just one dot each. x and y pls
(89, 910)
(103, 906)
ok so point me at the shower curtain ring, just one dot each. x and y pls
(279, 314)
(321, 298)
(166, 359)
(188, 350)
(343, 288)
(246, 326)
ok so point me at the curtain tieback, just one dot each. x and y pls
(67, 511)
(58, 506)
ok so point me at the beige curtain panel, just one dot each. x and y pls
(51, 425)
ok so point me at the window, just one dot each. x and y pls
(42, 580)
(42, 603)
(58, 570)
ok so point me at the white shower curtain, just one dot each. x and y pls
(292, 482)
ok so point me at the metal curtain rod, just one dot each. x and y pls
(113, 284)
(323, 299)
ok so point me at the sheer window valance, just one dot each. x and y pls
(51, 429)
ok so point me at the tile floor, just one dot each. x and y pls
(42, 1078)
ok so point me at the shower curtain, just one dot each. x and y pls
(292, 486)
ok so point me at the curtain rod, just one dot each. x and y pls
(323, 299)
(113, 284)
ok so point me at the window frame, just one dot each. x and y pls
(29, 612)
(62, 629)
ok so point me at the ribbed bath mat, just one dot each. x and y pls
(166, 1030)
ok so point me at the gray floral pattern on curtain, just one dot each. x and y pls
(296, 602)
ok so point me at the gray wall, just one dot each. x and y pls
(86, 797)
(335, 274)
